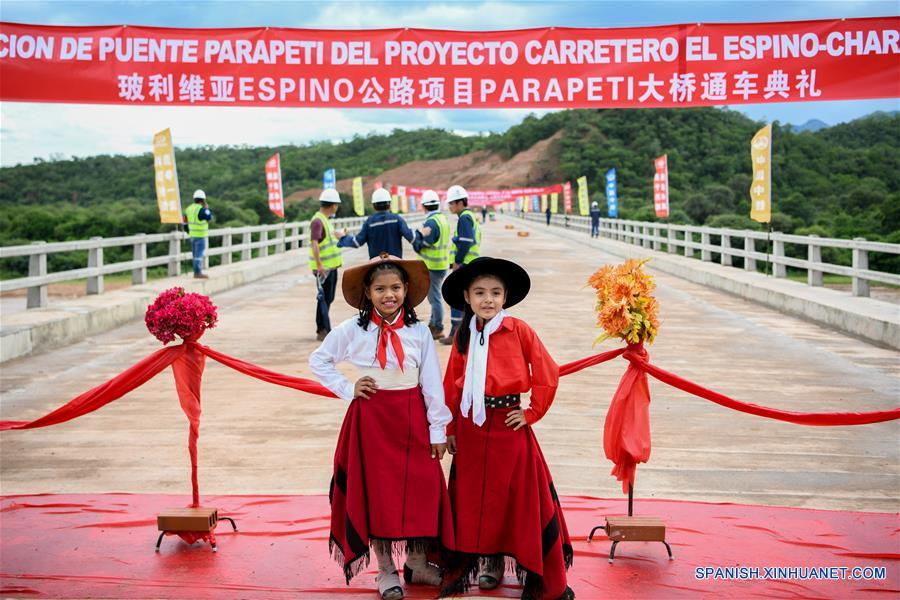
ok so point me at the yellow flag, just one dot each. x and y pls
(395, 203)
(543, 202)
(583, 199)
(358, 201)
(761, 186)
(554, 203)
(168, 196)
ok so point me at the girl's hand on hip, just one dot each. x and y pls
(516, 419)
(365, 387)
(451, 444)
(438, 451)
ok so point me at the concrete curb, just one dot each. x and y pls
(34, 331)
(873, 320)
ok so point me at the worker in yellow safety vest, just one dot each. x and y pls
(465, 245)
(325, 257)
(432, 242)
(197, 216)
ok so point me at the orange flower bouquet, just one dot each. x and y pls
(625, 307)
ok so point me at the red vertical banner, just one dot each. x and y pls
(567, 197)
(273, 183)
(661, 186)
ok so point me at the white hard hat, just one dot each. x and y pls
(456, 192)
(200, 194)
(594, 204)
(430, 197)
(330, 195)
(380, 196)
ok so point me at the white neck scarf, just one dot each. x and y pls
(476, 367)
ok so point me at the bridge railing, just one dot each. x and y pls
(744, 244)
(246, 243)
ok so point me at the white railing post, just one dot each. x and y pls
(175, 254)
(95, 260)
(779, 269)
(645, 240)
(814, 255)
(749, 248)
(37, 267)
(705, 251)
(295, 237)
(225, 257)
(860, 262)
(139, 273)
(726, 247)
(280, 248)
(688, 240)
(246, 250)
(264, 248)
(670, 246)
(657, 233)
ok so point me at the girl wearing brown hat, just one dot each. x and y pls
(388, 488)
(506, 510)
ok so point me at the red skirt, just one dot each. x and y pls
(505, 505)
(386, 486)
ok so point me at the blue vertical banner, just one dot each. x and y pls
(412, 203)
(329, 179)
(536, 203)
(612, 198)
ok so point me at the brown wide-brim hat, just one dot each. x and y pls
(514, 277)
(416, 271)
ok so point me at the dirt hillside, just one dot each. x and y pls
(477, 170)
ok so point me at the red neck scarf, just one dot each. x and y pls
(388, 332)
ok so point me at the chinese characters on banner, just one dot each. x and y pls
(661, 186)
(675, 65)
(273, 183)
(612, 198)
(358, 201)
(328, 180)
(583, 198)
(567, 197)
(554, 202)
(761, 186)
(168, 196)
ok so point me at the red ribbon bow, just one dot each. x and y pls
(388, 332)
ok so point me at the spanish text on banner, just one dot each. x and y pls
(168, 196)
(761, 185)
(691, 64)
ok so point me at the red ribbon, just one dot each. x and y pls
(387, 332)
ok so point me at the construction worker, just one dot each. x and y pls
(325, 257)
(382, 232)
(465, 246)
(432, 242)
(197, 216)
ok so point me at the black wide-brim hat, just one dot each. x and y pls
(514, 277)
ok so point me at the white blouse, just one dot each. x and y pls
(349, 342)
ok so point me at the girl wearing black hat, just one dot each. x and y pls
(504, 503)
(388, 488)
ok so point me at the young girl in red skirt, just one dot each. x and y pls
(388, 488)
(504, 502)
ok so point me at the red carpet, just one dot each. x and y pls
(101, 546)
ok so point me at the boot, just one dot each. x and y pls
(388, 579)
(418, 570)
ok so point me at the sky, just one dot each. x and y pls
(47, 131)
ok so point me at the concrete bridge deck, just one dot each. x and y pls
(259, 438)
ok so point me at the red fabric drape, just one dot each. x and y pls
(589, 361)
(188, 371)
(297, 383)
(626, 432)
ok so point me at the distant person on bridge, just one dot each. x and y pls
(382, 232)
(548, 215)
(466, 244)
(433, 245)
(595, 220)
(325, 258)
(484, 213)
(197, 216)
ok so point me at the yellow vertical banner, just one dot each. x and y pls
(403, 200)
(554, 202)
(761, 186)
(358, 201)
(168, 196)
(583, 196)
(544, 202)
(395, 203)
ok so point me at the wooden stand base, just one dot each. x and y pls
(200, 521)
(633, 529)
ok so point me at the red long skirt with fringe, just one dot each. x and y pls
(505, 507)
(386, 486)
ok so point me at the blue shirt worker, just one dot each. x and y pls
(432, 243)
(197, 216)
(595, 220)
(382, 232)
(465, 245)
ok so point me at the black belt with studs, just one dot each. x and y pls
(507, 401)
